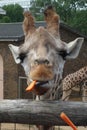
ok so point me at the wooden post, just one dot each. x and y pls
(42, 112)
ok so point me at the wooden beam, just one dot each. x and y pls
(42, 112)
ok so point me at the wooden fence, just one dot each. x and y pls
(42, 112)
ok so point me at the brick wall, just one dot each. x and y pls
(10, 69)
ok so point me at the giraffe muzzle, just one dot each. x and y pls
(41, 73)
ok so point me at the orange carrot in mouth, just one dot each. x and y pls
(67, 120)
(31, 86)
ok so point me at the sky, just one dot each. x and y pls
(23, 3)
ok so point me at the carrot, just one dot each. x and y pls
(31, 86)
(67, 120)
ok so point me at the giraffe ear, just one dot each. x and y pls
(74, 47)
(15, 53)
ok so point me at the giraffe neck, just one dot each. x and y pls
(75, 81)
(78, 76)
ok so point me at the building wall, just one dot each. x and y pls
(10, 72)
(1, 78)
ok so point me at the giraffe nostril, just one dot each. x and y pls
(46, 62)
(36, 62)
(40, 61)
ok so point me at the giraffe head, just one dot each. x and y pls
(43, 54)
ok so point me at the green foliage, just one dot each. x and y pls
(37, 7)
(18, 13)
(13, 12)
(5, 19)
(79, 21)
(72, 12)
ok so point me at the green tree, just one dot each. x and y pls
(37, 6)
(68, 8)
(18, 13)
(79, 21)
(5, 19)
(72, 12)
(14, 12)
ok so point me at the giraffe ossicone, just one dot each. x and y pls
(43, 53)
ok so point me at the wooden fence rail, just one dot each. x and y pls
(42, 112)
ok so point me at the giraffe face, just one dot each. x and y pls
(43, 54)
(42, 59)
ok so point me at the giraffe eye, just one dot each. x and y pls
(63, 54)
(22, 57)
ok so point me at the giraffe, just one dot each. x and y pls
(75, 81)
(43, 55)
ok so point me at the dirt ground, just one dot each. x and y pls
(9, 126)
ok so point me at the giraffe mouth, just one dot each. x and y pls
(41, 83)
(40, 87)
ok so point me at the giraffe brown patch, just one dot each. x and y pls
(75, 78)
(80, 77)
(86, 72)
(66, 78)
(83, 75)
(69, 81)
